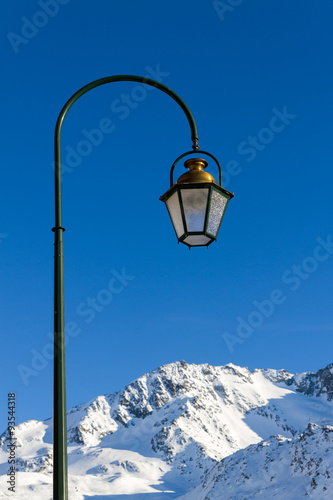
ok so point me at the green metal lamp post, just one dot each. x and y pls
(196, 204)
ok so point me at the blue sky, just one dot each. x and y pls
(257, 77)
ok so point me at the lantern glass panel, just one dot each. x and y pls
(175, 213)
(197, 240)
(195, 205)
(217, 207)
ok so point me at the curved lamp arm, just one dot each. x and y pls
(97, 83)
(60, 482)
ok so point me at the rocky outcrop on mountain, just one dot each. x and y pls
(314, 384)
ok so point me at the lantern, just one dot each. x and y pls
(196, 205)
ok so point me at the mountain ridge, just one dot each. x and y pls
(168, 430)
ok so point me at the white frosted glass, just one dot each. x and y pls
(197, 239)
(217, 207)
(195, 204)
(175, 214)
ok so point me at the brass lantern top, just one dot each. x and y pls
(196, 172)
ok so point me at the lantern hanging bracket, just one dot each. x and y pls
(191, 153)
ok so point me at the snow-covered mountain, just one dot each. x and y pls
(196, 432)
(279, 467)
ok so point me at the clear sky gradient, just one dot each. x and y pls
(257, 77)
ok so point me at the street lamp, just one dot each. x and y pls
(196, 204)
